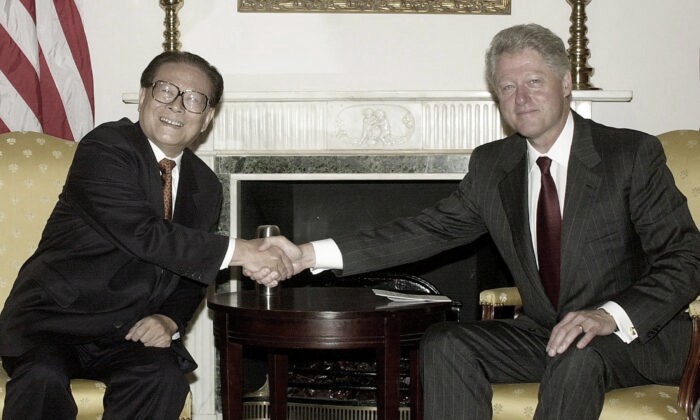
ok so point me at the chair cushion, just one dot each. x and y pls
(648, 402)
(88, 396)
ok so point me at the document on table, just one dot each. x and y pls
(410, 297)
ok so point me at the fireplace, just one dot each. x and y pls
(339, 137)
(324, 202)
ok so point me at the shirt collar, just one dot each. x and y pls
(560, 150)
(160, 155)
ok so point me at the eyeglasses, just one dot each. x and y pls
(166, 93)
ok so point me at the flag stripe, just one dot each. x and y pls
(19, 72)
(66, 78)
(15, 113)
(69, 16)
(46, 63)
(53, 111)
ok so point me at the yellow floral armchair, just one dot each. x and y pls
(652, 402)
(33, 168)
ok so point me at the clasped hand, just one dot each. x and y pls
(270, 260)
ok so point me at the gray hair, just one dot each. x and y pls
(531, 36)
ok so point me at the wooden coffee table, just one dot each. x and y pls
(331, 318)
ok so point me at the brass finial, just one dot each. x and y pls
(578, 46)
(171, 35)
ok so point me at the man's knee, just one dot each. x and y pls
(42, 374)
(158, 368)
(578, 362)
(448, 344)
(446, 334)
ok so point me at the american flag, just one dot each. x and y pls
(45, 73)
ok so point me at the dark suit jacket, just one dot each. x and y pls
(627, 233)
(106, 257)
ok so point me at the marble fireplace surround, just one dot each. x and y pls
(339, 136)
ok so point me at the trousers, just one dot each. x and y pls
(142, 382)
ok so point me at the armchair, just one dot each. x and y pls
(518, 401)
(33, 168)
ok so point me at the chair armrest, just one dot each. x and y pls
(694, 308)
(491, 299)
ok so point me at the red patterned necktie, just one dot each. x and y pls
(549, 232)
(166, 175)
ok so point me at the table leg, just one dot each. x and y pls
(416, 387)
(231, 371)
(388, 359)
(278, 371)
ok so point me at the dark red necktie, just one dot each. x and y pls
(549, 232)
(166, 175)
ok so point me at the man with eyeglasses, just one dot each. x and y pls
(121, 267)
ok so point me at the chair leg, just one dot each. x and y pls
(488, 312)
(688, 390)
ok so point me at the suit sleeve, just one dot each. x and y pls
(668, 237)
(110, 185)
(451, 222)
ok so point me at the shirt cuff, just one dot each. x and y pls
(229, 253)
(625, 327)
(328, 256)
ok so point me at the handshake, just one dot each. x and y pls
(271, 260)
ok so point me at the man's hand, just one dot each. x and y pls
(153, 331)
(266, 260)
(302, 256)
(589, 323)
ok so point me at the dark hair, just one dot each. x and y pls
(217, 82)
(521, 37)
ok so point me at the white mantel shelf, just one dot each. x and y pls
(379, 122)
(404, 95)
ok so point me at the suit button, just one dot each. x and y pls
(118, 325)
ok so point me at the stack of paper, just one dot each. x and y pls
(408, 297)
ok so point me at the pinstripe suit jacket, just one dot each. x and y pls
(627, 233)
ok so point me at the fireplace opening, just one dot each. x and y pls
(312, 209)
(308, 210)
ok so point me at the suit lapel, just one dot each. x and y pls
(513, 191)
(185, 209)
(193, 206)
(583, 182)
(152, 182)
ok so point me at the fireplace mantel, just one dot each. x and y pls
(340, 135)
(397, 122)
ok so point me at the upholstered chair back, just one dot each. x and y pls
(33, 169)
(682, 148)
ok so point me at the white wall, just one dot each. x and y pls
(650, 47)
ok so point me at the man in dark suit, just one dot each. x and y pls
(120, 270)
(625, 255)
